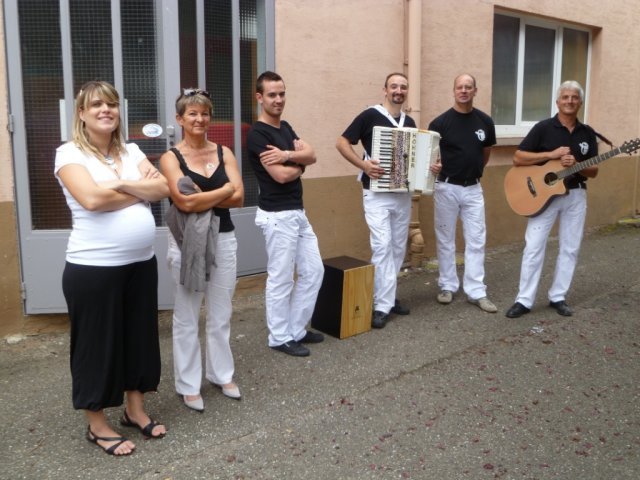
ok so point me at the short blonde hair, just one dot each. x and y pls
(107, 93)
(193, 96)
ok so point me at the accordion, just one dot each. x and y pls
(406, 155)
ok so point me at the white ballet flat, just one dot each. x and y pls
(197, 404)
(231, 392)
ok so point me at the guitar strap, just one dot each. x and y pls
(602, 137)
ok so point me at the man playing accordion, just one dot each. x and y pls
(387, 214)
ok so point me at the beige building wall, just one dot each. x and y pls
(335, 67)
(334, 56)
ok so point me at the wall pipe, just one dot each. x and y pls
(413, 57)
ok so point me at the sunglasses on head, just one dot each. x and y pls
(190, 92)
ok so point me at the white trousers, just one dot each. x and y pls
(187, 361)
(451, 202)
(292, 247)
(388, 216)
(571, 210)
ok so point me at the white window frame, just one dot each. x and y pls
(521, 128)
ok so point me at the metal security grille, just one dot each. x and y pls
(41, 56)
(218, 72)
(188, 44)
(248, 74)
(132, 60)
(140, 81)
(218, 47)
(91, 41)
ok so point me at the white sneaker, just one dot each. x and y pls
(485, 304)
(445, 297)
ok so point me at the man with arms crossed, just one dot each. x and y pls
(467, 136)
(565, 138)
(279, 158)
(387, 214)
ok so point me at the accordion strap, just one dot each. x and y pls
(393, 121)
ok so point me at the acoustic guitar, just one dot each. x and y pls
(529, 189)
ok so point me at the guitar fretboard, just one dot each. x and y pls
(589, 162)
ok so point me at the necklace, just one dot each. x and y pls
(111, 162)
(196, 151)
(108, 159)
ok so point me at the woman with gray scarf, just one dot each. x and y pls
(202, 249)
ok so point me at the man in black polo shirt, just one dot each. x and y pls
(560, 137)
(467, 136)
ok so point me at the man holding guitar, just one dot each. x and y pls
(564, 139)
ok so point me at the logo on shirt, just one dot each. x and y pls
(480, 134)
(584, 148)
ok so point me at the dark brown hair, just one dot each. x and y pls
(394, 74)
(267, 76)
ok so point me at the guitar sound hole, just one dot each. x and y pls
(550, 178)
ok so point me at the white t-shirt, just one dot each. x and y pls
(112, 238)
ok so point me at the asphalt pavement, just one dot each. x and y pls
(448, 392)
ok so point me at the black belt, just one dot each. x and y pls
(467, 182)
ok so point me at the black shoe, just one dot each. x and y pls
(293, 348)
(562, 308)
(312, 337)
(398, 309)
(517, 310)
(379, 319)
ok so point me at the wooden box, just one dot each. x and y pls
(345, 299)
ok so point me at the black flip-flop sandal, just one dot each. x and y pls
(147, 431)
(93, 438)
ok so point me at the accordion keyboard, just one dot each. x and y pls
(406, 155)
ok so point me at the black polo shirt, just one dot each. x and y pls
(549, 134)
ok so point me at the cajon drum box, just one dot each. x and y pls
(345, 299)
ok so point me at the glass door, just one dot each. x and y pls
(223, 47)
(143, 47)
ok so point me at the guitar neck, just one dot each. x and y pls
(588, 163)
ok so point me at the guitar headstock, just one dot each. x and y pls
(630, 146)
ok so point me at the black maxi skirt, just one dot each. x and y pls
(114, 331)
